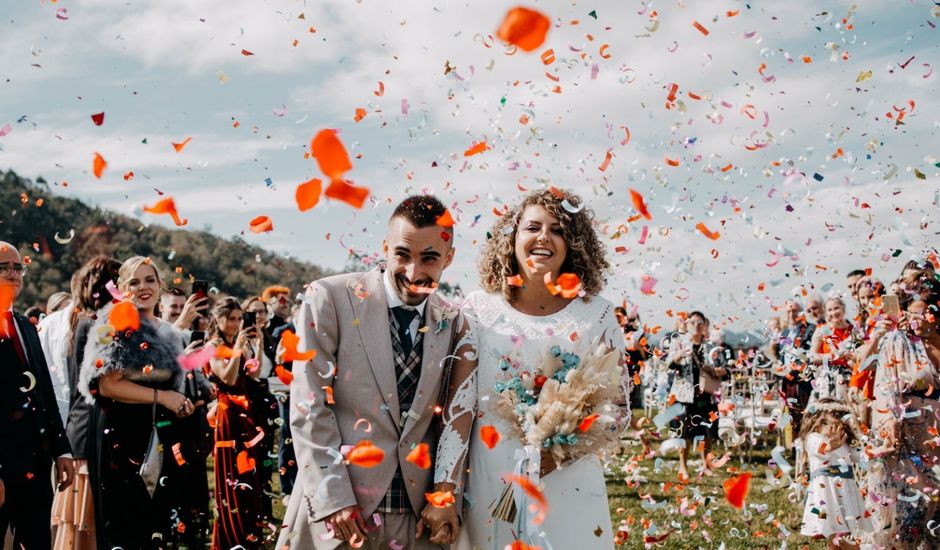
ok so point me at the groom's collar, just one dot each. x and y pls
(391, 296)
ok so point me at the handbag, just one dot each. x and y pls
(683, 390)
(153, 461)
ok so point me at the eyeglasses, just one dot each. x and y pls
(6, 269)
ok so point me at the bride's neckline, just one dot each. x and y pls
(510, 307)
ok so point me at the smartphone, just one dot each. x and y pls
(201, 288)
(249, 318)
(198, 336)
(891, 305)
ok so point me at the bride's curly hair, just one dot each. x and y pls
(586, 258)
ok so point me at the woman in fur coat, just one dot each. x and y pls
(134, 382)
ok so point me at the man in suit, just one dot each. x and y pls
(791, 348)
(381, 340)
(31, 432)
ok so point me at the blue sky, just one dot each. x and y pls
(164, 71)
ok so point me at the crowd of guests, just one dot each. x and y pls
(129, 424)
(858, 378)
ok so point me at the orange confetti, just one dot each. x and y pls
(440, 499)
(708, 233)
(475, 149)
(588, 421)
(365, 455)
(290, 341)
(330, 154)
(179, 146)
(99, 165)
(167, 206)
(541, 503)
(129, 176)
(244, 463)
(350, 194)
(381, 91)
(548, 56)
(329, 394)
(307, 194)
(490, 436)
(639, 204)
(736, 489)
(606, 163)
(603, 51)
(284, 375)
(515, 280)
(360, 114)
(519, 545)
(524, 28)
(124, 316)
(246, 53)
(261, 224)
(445, 219)
(420, 456)
(568, 285)
(732, 13)
(700, 28)
(671, 162)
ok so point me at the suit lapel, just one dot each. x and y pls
(435, 348)
(372, 314)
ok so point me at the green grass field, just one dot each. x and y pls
(706, 520)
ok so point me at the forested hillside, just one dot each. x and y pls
(31, 215)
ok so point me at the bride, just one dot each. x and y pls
(512, 324)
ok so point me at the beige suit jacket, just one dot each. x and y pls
(345, 319)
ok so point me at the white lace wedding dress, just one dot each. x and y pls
(502, 338)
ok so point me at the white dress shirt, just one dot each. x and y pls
(394, 301)
(54, 339)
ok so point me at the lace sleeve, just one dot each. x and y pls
(459, 410)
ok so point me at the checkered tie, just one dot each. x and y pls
(404, 316)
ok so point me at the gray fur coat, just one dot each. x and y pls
(154, 362)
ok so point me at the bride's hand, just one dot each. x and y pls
(547, 463)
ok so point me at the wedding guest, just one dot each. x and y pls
(815, 309)
(905, 421)
(32, 438)
(277, 300)
(55, 339)
(239, 495)
(34, 314)
(180, 311)
(73, 515)
(833, 347)
(57, 301)
(792, 348)
(851, 282)
(133, 380)
(862, 382)
(637, 352)
(695, 383)
(834, 509)
(265, 404)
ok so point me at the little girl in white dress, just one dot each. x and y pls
(834, 508)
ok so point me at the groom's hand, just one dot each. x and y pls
(347, 524)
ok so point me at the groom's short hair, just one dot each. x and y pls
(421, 211)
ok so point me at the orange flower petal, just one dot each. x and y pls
(290, 341)
(440, 499)
(179, 146)
(365, 455)
(261, 224)
(99, 165)
(244, 463)
(708, 233)
(445, 219)
(284, 375)
(639, 204)
(736, 489)
(330, 154)
(524, 28)
(124, 316)
(348, 193)
(475, 149)
(167, 206)
(541, 503)
(490, 436)
(587, 422)
(308, 194)
(420, 456)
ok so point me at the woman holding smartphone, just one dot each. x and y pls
(238, 454)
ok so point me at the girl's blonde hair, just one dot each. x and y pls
(130, 266)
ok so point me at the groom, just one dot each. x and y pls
(380, 339)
